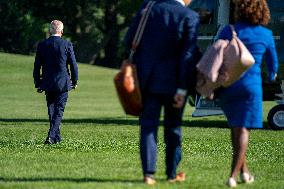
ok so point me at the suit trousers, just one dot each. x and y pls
(150, 121)
(56, 102)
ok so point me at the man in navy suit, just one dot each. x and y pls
(54, 61)
(163, 60)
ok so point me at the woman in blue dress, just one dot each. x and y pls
(242, 101)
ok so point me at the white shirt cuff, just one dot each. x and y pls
(181, 92)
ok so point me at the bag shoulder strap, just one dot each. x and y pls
(142, 24)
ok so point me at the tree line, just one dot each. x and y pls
(95, 27)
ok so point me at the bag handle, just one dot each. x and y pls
(234, 33)
(141, 28)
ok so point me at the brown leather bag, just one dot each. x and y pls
(126, 80)
(127, 87)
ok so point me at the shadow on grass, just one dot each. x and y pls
(77, 180)
(191, 122)
(120, 121)
(100, 121)
(205, 123)
(216, 124)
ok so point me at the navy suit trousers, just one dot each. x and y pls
(149, 121)
(56, 102)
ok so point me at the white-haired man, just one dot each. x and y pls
(51, 74)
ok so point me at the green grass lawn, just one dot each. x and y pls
(100, 144)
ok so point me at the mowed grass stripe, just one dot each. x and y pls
(100, 147)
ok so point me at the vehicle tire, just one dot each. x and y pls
(276, 117)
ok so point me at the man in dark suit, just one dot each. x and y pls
(53, 62)
(163, 58)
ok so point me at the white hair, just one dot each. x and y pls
(56, 27)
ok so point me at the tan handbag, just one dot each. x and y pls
(222, 65)
(237, 60)
(126, 80)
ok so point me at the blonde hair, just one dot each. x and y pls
(56, 27)
(252, 11)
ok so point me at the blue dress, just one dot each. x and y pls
(242, 101)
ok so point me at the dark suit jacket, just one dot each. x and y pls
(52, 59)
(166, 47)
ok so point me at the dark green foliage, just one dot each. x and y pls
(95, 27)
(19, 33)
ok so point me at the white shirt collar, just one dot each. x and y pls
(56, 35)
(181, 2)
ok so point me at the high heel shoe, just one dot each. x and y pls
(232, 183)
(247, 178)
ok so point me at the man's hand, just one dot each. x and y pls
(39, 90)
(179, 100)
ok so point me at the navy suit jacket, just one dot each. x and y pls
(166, 48)
(51, 70)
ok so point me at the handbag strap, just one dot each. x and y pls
(234, 33)
(141, 27)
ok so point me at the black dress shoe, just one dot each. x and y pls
(57, 140)
(49, 141)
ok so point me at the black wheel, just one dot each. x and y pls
(276, 117)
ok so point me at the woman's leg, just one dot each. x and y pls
(240, 138)
(244, 168)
